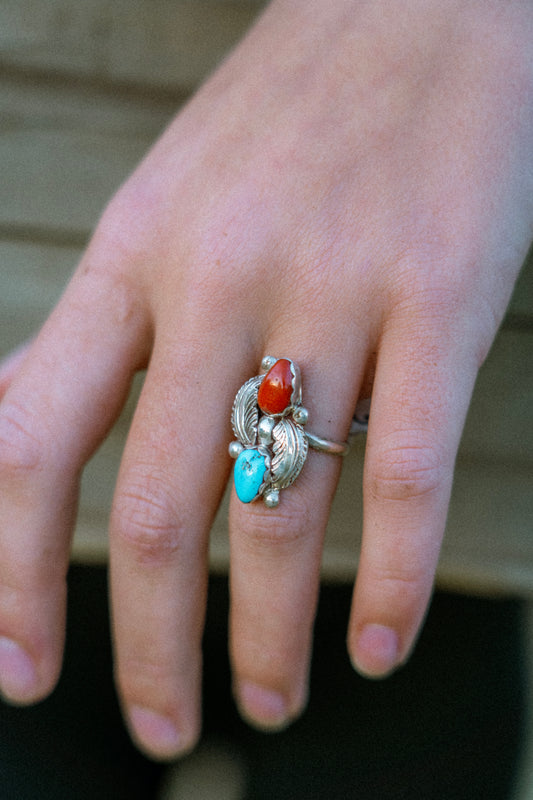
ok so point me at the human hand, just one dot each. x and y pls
(351, 189)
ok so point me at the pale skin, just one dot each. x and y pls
(352, 189)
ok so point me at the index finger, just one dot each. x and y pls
(59, 406)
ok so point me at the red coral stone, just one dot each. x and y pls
(274, 395)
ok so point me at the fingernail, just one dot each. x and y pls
(263, 707)
(18, 678)
(155, 732)
(376, 651)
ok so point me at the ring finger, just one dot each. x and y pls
(276, 552)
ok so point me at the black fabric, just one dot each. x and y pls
(447, 726)
(73, 745)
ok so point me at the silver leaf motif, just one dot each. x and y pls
(290, 451)
(245, 414)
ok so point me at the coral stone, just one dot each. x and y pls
(274, 395)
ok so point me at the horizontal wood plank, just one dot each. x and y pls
(64, 154)
(170, 45)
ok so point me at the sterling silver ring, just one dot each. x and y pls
(268, 420)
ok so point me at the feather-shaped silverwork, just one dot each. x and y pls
(245, 414)
(272, 434)
(289, 452)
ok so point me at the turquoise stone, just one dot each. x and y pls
(249, 473)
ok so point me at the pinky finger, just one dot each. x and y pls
(419, 404)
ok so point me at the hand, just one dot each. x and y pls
(352, 189)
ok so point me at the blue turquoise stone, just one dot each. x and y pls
(249, 473)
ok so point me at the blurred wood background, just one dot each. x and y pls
(85, 87)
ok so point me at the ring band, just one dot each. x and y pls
(326, 446)
(268, 421)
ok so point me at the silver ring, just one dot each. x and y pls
(326, 446)
(271, 445)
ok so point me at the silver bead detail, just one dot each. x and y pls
(301, 415)
(264, 430)
(268, 362)
(271, 498)
(235, 449)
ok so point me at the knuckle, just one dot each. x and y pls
(281, 529)
(21, 450)
(405, 472)
(266, 660)
(401, 594)
(405, 583)
(124, 229)
(145, 681)
(145, 517)
(114, 291)
(112, 285)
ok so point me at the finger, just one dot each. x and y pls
(173, 473)
(422, 388)
(276, 554)
(60, 404)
